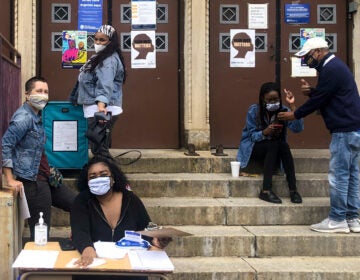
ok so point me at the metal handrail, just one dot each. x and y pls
(15, 56)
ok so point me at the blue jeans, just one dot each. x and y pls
(344, 175)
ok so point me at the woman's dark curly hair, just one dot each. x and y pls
(120, 180)
(264, 89)
(113, 46)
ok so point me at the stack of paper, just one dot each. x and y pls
(36, 259)
(150, 260)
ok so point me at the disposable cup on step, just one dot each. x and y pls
(235, 168)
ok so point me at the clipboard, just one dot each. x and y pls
(164, 232)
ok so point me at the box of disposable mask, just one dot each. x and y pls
(65, 126)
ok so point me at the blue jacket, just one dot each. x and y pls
(252, 134)
(104, 84)
(23, 143)
(336, 95)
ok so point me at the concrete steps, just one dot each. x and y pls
(234, 234)
(218, 185)
(175, 161)
(279, 268)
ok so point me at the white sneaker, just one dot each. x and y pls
(331, 226)
(354, 225)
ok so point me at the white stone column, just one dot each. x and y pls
(196, 74)
(25, 37)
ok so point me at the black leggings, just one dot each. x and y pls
(271, 152)
(103, 148)
(40, 197)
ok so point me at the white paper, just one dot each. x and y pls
(143, 12)
(96, 262)
(109, 250)
(65, 136)
(297, 70)
(36, 259)
(23, 207)
(150, 260)
(257, 16)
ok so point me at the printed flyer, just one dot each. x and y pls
(74, 49)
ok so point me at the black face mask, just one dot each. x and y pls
(310, 61)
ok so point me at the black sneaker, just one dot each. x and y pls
(269, 196)
(295, 197)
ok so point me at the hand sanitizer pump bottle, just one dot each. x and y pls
(41, 232)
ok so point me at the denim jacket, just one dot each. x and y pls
(23, 143)
(104, 84)
(252, 134)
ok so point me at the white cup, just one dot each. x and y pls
(235, 168)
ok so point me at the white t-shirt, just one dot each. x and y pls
(90, 110)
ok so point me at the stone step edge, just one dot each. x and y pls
(231, 153)
(190, 176)
(250, 241)
(227, 231)
(276, 266)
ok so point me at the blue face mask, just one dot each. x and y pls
(272, 107)
(99, 185)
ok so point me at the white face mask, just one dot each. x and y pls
(99, 185)
(99, 48)
(38, 101)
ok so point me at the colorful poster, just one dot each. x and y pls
(74, 48)
(242, 50)
(307, 33)
(143, 49)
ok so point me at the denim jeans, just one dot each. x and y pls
(344, 175)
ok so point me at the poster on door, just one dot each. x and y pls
(143, 51)
(74, 49)
(89, 15)
(242, 49)
(143, 14)
(306, 34)
(258, 16)
(298, 67)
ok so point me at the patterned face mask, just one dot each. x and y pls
(272, 107)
